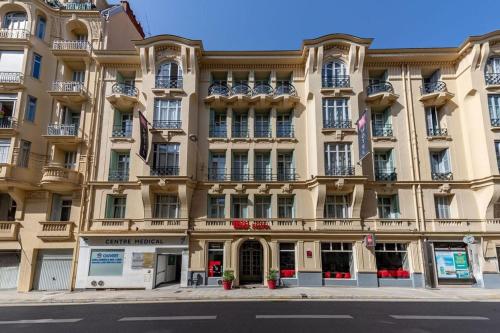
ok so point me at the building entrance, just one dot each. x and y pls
(251, 262)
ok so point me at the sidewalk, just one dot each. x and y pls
(175, 293)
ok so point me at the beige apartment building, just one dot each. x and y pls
(153, 161)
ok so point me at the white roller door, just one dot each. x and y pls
(53, 270)
(9, 269)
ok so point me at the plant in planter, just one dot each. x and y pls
(272, 277)
(227, 279)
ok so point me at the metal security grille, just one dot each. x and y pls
(9, 270)
(53, 270)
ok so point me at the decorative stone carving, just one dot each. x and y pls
(117, 189)
(340, 184)
(445, 188)
(240, 188)
(216, 188)
(287, 188)
(338, 135)
(162, 182)
(263, 188)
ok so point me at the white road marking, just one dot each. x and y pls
(40, 321)
(168, 318)
(303, 317)
(410, 317)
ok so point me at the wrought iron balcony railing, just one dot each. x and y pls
(167, 124)
(240, 175)
(68, 86)
(259, 175)
(122, 131)
(217, 174)
(124, 89)
(241, 88)
(286, 174)
(217, 131)
(6, 33)
(262, 88)
(338, 81)
(262, 132)
(219, 88)
(495, 122)
(284, 88)
(6, 122)
(78, 6)
(375, 88)
(437, 132)
(492, 78)
(168, 82)
(239, 132)
(337, 124)
(385, 174)
(432, 87)
(118, 175)
(62, 130)
(71, 45)
(445, 175)
(164, 171)
(11, 77)
(285, 131)
(340, 170)
(382, 131)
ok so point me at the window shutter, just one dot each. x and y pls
(56, 207)
(394, 207)
(109, 206)
(446, 160)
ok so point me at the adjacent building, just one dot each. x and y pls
(154, 161)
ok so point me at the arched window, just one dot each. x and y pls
(15, 21)
(335, 74)
(169, 75)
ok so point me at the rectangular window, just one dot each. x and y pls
(218, 124)
(497, 151)
(70, 159)
(106, 262)
(167, 113)
(217, 206)
(37, 66)
(392, 260)
(337, 260)
(24, 154)
(336, 113)
(115, 207)
(79, 76)
(494, 107)
(119, 166)
(442, 204)
(61, 208)
(166, 159)
(4, 150)
(384, 165)
(239, 206)
(240, 166)
(262, 206)
(30, 109)
(217, 166)
(287, 260)
(338, 159)
(166, 206)
(337, 206)
(388, 207)
(284, 125)
(262, 125)
(286, 207)
(215, 259)
(40, 28)
(286, 170)
(240, 125)
(382, 126)
(440, 164)
(262, 167)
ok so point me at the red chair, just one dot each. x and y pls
(327, 275)
(339, 275)
(393, 273)
(347, 275)
(384, 273)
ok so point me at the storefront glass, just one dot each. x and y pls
(392, 260)
(287, 260)
(215, 259)
(337, 260)
(452, 262)
(106, 263)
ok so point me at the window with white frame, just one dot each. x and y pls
(338, 159)
(167, 113)
(286, 206)
(70, 159)
(169, 75)
(262, 206)
(442, 204)
(287, 260)
(239, 206)
(382, 125)
(388, 206)
(494, 108)
(61, 208)
(336, 113)
(4, 150)
(215, 259)
(497, 152)
(115, 206)
(440, 164)
(166, 158)
(337, 260)
(166, 206)
(392, 260)
(337, 206)
(240, 169)
(217, 206)
(433, 120)
(334, 74)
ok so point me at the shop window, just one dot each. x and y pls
(215, 259)
(452, 262)
(392, 260)
(337, 260)
(287, 260)
(106, 263)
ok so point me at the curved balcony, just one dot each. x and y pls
(241, 88)
(285, 88)
(492, 79)
(262, 88)
(57, 178)
(69, 91)
(219, 88)
(123, 96)
(12, 80)
(9, 230)
(14, 34)
(163, 82)
(435, 93)
(381, 94)
(445, 175)
(55, 230)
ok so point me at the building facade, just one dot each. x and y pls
(179, 163)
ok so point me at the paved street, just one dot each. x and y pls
(262, 316)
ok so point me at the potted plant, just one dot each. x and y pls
(272, 277)
(227, 279)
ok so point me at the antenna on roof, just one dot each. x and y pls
(148, 27)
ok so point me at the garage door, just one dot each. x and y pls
(9, 269)
(53, 269)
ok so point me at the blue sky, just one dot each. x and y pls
(283, 24)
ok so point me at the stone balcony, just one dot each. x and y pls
(55, 230)
(456, 225)
(252, 225)
(69, 91)
(390, 225)
(12, 80)
(333, 224)
(435, 94)
(71, 48)
(9, 230)
(7, 34)
(153, 225)
(57, 178)
(123, 96)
